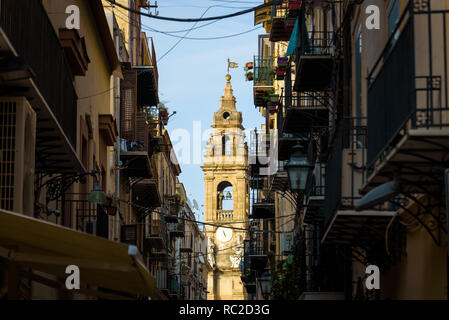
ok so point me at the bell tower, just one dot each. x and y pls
(227, 199)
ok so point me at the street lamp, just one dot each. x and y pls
(298, 169)
(97, 195)
(265, 283)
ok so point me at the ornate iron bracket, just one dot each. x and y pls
(57, 186)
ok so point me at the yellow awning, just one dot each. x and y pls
(50, 248)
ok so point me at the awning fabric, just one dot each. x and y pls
(50, 248)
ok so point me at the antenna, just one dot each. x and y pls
(195, 205)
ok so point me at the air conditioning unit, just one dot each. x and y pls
(17, 152)
(129, 234)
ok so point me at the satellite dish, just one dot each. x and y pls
(195, 205)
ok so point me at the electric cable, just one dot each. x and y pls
(169, 33)
(151, 210)
(235, 14)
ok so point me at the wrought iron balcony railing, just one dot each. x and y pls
(408, 87)
(155, 231)
(317, 43)
(89, 218)
(263, 71)
(45, 55)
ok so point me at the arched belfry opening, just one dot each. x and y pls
(225, 196)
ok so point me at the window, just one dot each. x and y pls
(226, 145)
(393, 18)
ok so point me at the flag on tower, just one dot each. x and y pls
(232, 65)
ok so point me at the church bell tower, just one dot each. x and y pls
(227, 199)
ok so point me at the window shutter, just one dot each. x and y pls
(128, 104)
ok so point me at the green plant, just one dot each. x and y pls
(285, 280)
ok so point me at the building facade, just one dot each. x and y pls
(93, 184)
(364, 109)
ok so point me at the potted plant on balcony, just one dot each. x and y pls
(274, 97)
(248, 66)
(294, 4)
(282, 62)
(164, 113)
(152, 126)
(249, 76)
(280, 73)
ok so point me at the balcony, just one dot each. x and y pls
(258, 159)
(146, 193)
(136, 150)
(155, 233)
(263, 80)
(305, 112)
(172, 207)
(176, 229)
(224, 215)
(89, 218)
(263, 209)
(279, 180)
(257, 249)
(282, 23)
(286, 142)
(48, 86)
(187, 243)
(248, 276)
(345, 174)
(314, 61)
(408, 105)
(314, 198)
(147, 91)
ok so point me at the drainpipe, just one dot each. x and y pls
(117, 165)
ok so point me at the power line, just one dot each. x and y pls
(235, 14)
(201, 7)
(123, 17)
(151, 210)
(169, 33)
(182, 38)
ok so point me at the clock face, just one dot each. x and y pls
(224, 234)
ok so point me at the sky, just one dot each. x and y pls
(192, 74)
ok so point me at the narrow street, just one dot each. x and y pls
(255, 151)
